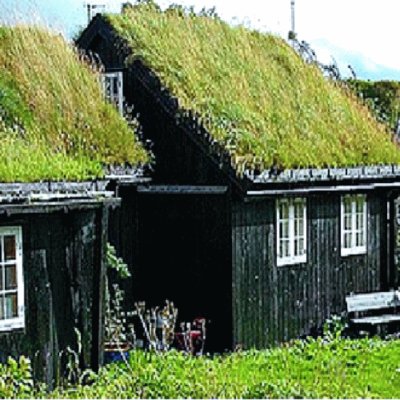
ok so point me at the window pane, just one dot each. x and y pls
(1, 278)
(11, 276)
(299, 227)
(9, 248)
(296, 247)
(11, 305)
(107, 86)
(284, 248)
(283, 211)
(360, 239)
(347, 240)
(359, 221)
(115, 87)
(347, 205)
(347, 222)
(299, 247)
(1, 307)
(360, 205)
(302, 248)
(284, 229)
(298, 210)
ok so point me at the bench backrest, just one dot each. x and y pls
(372, 301)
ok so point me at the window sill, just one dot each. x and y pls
(281, 262)
(354, 251)
(12, 324)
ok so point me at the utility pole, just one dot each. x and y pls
(292, 32)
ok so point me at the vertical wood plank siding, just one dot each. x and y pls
(123, 234)
(273, 304)
(60, 253)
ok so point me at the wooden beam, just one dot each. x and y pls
(182, 189)
(322, 189)
(49, 207)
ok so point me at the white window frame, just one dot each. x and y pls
(19, 321)
(116, 98)
(292, 258)
(353, 249)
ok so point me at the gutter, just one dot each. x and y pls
(322, 189)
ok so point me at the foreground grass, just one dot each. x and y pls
(255, 94)
(54, 121)
(315, 369)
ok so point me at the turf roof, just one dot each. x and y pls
(54, 121)
(257, 96)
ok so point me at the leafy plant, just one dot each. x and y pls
(16, 378)
(382, 97)
(116, 263)
(118, 333)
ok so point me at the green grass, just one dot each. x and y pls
(327, 367)
(257, 97)
(54, 121)
(315, 369)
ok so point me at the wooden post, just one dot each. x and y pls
(99, 287)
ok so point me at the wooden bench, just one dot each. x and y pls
(373, 310)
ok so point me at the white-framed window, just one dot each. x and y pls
(353, 224)
(12, 309)
(113, 89)
(291, 221)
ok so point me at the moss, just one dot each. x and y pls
(54, 121)
(262, 102)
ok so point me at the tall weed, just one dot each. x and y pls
(54, 121)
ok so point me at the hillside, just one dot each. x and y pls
(255, 94)
(54, 121)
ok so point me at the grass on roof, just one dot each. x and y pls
(54, 121)
(258, 97)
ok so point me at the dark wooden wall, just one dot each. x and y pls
(123, 233)
(274, 304)
(182, 156)
(63, 276)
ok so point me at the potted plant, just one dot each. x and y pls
(119, 336)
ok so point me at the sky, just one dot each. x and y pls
(360, 33)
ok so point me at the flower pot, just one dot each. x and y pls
(114, 352)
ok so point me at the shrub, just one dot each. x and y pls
(16, 379)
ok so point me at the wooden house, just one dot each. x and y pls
(52, 283)
(53, 203)
(262, 232)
